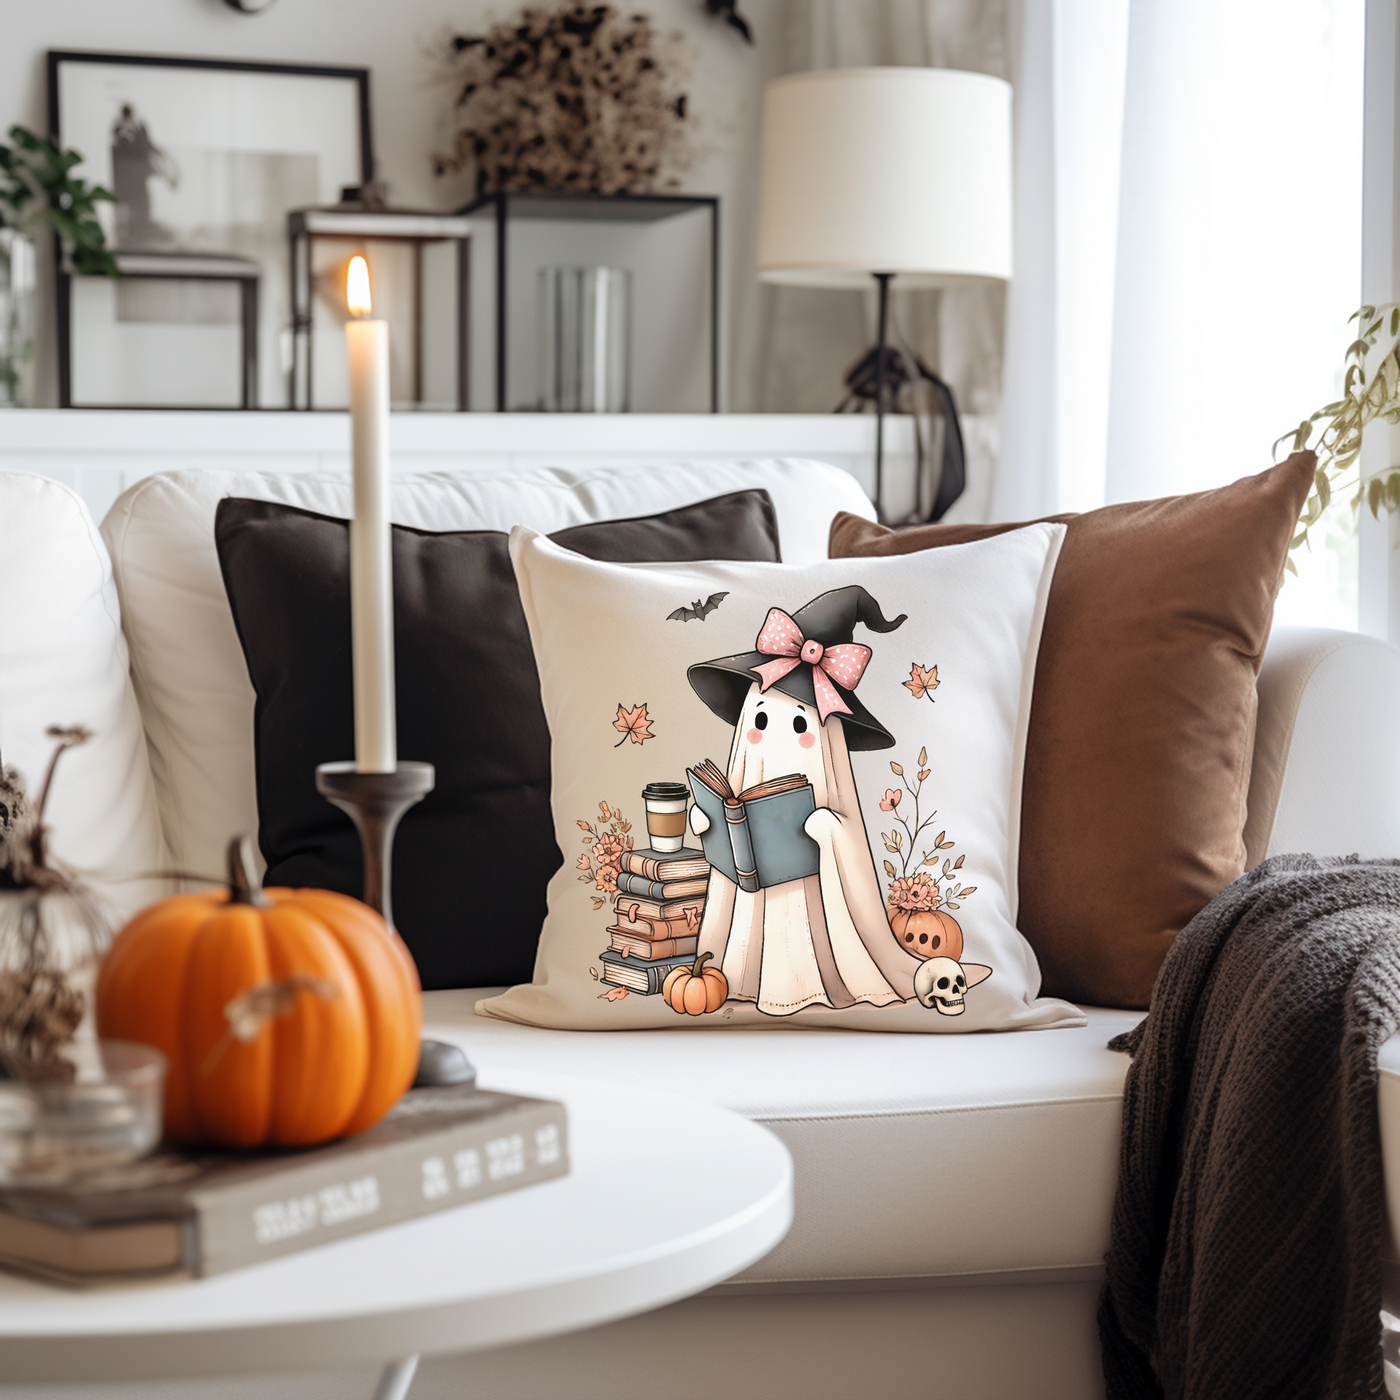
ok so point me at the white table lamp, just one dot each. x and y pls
(885, 172)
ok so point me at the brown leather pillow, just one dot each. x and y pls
(1142, 721)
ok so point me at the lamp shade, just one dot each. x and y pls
(900, 170)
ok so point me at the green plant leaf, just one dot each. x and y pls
(36, 187)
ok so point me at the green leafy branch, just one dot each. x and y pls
(37, 186)
(1370, 390)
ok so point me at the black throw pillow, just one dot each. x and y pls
(472, 860)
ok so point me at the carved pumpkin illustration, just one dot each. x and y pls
(693, 991)
(288, 1017)
(928, 933)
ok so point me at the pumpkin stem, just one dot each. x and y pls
(700, 963)
(243, 885)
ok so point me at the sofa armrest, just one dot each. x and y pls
(1326, 775)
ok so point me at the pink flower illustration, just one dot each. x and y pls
(891, 799)
(914, 893)
(607, 845)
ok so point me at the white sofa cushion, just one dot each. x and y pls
(917, 1156)
(1326, 775)
(63, 660)
(196, 698)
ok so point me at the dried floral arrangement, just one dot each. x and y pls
(41, 1005)
(580, 98)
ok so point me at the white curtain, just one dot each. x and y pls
(1187, 248)
(1188, 243)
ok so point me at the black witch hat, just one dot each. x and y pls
(812, 631)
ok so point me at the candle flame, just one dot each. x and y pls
(357, 287)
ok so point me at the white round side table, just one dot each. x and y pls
(563, 1255)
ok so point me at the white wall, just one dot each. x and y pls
(393, 38)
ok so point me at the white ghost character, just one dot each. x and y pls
(824, 940)
(942, 984)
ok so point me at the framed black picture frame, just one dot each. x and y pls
(206, 158)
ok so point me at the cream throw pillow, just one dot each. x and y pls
(882, 704)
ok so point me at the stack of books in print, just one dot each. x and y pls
(660, 896)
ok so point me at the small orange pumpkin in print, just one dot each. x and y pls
(692, 991)
(928, 933)
(287, 1017)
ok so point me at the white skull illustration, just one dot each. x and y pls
(941, 984)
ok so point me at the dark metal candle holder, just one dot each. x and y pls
(376, 802)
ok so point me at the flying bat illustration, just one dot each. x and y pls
(697, 609)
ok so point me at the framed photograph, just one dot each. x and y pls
(205, 158)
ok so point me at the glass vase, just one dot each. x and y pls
(18, 292)
(585, 339)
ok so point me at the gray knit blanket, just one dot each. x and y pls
(1244, 1259)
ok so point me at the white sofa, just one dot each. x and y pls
(953, 1192)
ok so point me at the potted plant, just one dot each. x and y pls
(38, 187)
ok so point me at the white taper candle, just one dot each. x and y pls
(371, 561)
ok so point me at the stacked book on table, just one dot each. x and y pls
(660, 895)
(204, 1213)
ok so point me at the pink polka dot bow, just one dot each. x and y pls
(781, 637)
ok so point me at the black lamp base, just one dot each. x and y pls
(878, 377)
(376, 802)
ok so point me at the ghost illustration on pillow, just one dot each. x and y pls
(823, 940)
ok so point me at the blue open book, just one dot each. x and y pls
(756, 837)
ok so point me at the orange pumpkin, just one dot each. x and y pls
(928, 933)
(693, 991)
(287, 1017)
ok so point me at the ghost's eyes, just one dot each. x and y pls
(760, 720)
(799, 724)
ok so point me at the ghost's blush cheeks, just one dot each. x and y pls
(807, 739)
(754, 735)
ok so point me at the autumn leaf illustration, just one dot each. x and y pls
(613, 994)
(921, 682)
(692, 918)
(633, 724)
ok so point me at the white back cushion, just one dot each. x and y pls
(1326, 775)
(187, 665)
(63, 660)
